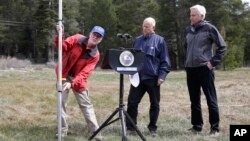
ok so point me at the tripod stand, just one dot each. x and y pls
(122, 114)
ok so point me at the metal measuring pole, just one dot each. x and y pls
(59, 79)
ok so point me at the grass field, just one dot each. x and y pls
(28, 105)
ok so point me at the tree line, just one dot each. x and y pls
(27, 27)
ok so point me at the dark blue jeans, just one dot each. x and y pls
(197, 78)
(134, 98)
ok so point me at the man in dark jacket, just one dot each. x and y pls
(152, 75)
(200, 38)
(80, 56)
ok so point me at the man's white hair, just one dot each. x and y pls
(201, 9)
(150, 20)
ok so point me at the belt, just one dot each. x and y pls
(63, 79)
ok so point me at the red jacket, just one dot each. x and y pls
(77, 61)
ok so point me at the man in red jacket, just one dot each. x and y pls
(80, 56)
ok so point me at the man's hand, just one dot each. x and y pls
(66, 86)
(209, 65)
(160, 81)
(59, 28)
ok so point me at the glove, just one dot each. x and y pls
(66, 86)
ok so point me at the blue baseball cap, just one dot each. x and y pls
(99, 30)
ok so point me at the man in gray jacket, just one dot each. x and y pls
(200, 38)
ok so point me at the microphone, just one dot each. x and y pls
(119, 35)
(126, 35)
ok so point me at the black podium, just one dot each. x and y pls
(124, 61)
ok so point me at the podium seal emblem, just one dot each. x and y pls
(126, 58)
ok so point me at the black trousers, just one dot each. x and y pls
(134, 98)
(197, 78)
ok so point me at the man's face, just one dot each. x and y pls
(195, 16)
(94, 39)
(148, 28)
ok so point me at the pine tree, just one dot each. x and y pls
(44, 21)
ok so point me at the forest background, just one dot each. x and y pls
(27, 27)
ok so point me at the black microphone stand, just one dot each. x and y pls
(121, 110)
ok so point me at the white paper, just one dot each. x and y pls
(134, 79)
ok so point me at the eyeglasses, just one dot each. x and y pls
(97, 35)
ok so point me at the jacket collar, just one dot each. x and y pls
(146, 37)
(83, 42)
(199, 25)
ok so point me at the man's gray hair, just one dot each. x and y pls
(201, 9)
(151, 20)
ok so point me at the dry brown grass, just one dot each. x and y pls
(12, 62)
(28, 105)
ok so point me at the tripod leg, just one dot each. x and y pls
(104, 124)
(122, 116)
(133, 124)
